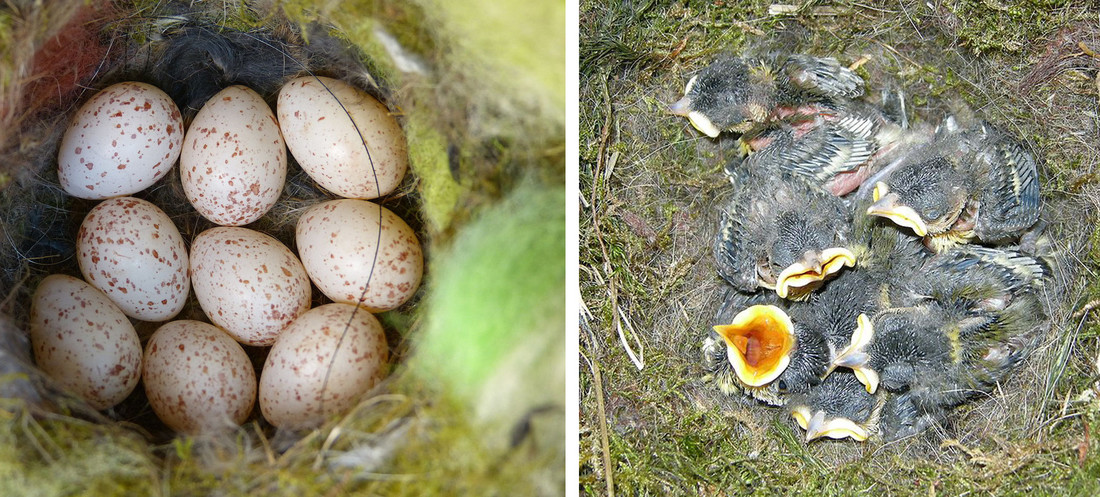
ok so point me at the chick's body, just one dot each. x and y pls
(772, 220)
(976, 315)
(837, 408)
(964, 184)
(739, 94)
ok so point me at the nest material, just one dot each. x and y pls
(649, 181)
(192, 52)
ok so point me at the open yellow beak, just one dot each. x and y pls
(855, 356)
(805, 275)
(758, 343)
(886, 205)
(835, 428)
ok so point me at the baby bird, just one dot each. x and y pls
(779, 232)
(717, 360)
(977, 317)
(772, 350)
(750, 352)
(965, 184)
(838, 408)
(737, 95)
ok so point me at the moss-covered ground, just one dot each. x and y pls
(649, 181)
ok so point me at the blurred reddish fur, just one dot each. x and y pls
(68, 59)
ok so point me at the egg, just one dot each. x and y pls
(122, 140)
(82, 340)
(356, 251)
(197, 378)
(233, 164)
(129, 249)
(248, 283)
(345, 139)
(321, 365)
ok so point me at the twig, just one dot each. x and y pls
(613, 291)
(639, 359)
(1086, 309)
(1088, 51)
(605, 446)
(1083, 446)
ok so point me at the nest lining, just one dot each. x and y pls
(191, 57)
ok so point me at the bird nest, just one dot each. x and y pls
(650, 187)
(473, 140)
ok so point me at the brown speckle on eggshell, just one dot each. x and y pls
(120, 142)
(197, 378)
(345, 139)
(233, 164)
(321, 365)
(343, 252)
(129, 249)
(248, 283)
(83, 341)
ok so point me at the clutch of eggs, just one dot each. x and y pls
(254, 290)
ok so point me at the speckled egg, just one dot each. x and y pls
(129, 249)
(82, 340)
(121, 141)
(233, 164)
(321, 365)
(356, 251)
(197, 378)
(346, 140)
(248, 283)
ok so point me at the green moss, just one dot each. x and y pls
(986, 25)
(499, 290)
(514, 47)
(429, 161)
(671, 433)
(56, 455)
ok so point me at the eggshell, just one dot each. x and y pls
(342, 250)
(321, 365)
(82, 340)
(197, 378)
(121, 141)
(248, 283)
(129, 249)
(233, 164)
(345, 139)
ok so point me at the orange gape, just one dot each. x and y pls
(761, 342)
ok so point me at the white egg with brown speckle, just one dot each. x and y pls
(120, 142)
(82, 340)
(248, 283)
(233, 164)
(197, 378)
(345, 139)
(357, 251)
(131, 250)
(321, 365)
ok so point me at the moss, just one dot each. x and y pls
(985, 25)
(57, 455)
(430, 162)
(646, 175)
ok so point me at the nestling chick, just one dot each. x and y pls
(979, 318)
(772, 350)
(757, 344)
(966, 184)
(837, 408)
(737, 95)
(778, 232)
(716, 356)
